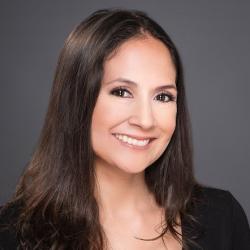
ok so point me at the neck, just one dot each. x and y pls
(119, 193)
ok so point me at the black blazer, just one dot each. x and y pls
(223, 220)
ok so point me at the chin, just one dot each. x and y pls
(131, 170)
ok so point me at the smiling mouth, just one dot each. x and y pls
(132, 142)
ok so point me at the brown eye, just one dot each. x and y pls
(165, 97)
(121, 92)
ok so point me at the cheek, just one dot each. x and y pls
(106, 114)
(167, 120)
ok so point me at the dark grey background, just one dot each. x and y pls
(213, 38)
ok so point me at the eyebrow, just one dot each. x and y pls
(125, 80)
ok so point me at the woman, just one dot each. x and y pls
(113, 167)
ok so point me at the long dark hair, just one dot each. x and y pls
(56, 191)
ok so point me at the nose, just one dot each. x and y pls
(142, 115)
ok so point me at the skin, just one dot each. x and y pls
(127, 208)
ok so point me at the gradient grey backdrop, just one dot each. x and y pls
(213, 38)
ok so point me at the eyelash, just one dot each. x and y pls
(171, 98)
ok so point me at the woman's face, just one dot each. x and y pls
(136, 104)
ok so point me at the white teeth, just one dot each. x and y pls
(132, 141)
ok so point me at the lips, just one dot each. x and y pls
(136, 136)
(132, 142)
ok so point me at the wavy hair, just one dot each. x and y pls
(56, 190)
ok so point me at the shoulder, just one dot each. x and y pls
(217, 201)
(8, 233)
(223, 219)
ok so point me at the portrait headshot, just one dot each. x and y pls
(125, 126)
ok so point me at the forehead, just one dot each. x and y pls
(143, 60)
